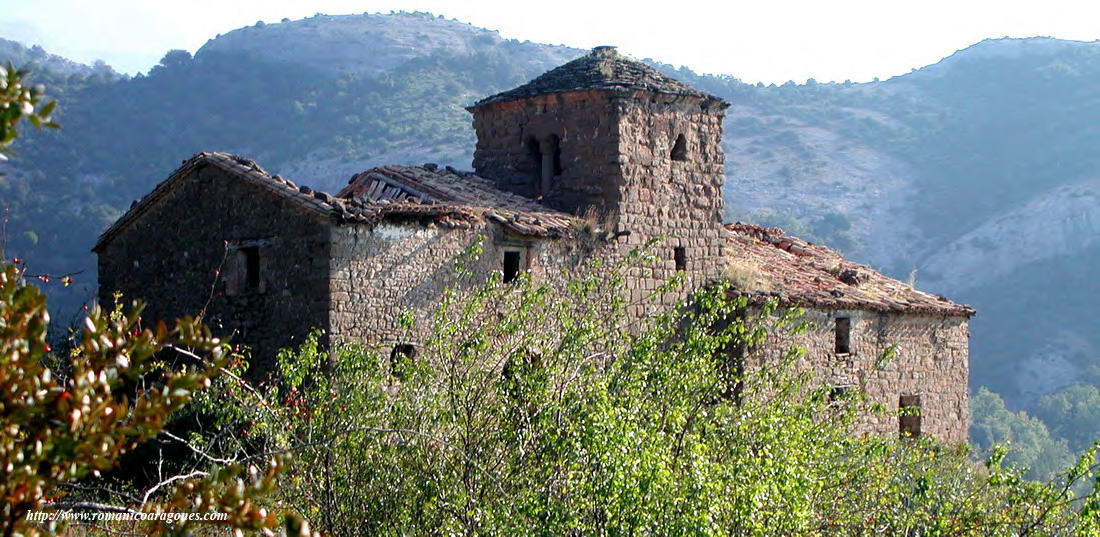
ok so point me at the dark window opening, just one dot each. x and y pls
(732, 373)
(729, 358)
(512, 265)
(555, 152)
(251, 256)
(909, 415)
(843, 335)
(525, 362)
(401, 357)
(679, 254)
(680, 148)
(546, 160)
(534, 153)
(839, 393)
(536, 166)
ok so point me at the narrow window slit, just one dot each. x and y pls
(251, 257)
(843, 334)
(679, 255)
(909, 416)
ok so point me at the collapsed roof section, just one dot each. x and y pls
(448, 197)
(764, 262)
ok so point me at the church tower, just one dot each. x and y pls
(611, 138)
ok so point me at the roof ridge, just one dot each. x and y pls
(448, 208)
(603, 68)
(246, 168)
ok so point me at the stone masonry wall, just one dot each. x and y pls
(931, 361)
(378, 274)
(169, 255)
(679, 200)
(617, 168)
(585, 124)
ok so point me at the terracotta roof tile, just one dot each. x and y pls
(428, 188)
(450, 198)
(765, 262)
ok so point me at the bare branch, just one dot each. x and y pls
(196, 450)
(172, 479)
(90, 506)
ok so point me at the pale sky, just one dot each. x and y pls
(756, 40)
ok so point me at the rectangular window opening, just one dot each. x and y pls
(909, 416)
(401, 356)
(251, 257)
(840, 393)
(843, 334)
(679, 254)
(512, 265)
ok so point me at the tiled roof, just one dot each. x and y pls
(765, 262)
(430, 186)
(246, 169)
(601, 69)
(410, 194)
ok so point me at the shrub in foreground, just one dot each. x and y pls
(557, 417)
(62, 426)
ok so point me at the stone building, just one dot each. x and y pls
(601, 141)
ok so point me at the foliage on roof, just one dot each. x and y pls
(766, 262)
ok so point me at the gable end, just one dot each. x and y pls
(245, 169)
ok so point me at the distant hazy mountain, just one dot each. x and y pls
(38, 59)
(980, 173)
(371, 44)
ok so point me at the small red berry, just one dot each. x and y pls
(16, 261)
(46, 347)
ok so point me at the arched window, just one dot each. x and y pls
(546, 154)
(680, 148)
(555, 153)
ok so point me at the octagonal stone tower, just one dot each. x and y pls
(607, 137)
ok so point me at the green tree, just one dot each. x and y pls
(18, 103)
(1073, 413)
(1030, 443)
